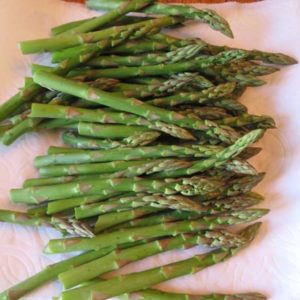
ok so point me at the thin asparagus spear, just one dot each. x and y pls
(266, 57)
(143, 280)
(207, 16)
(97, 22)
(162, 69)
(158, 295)
(205, 112)
(117, 259)
(224, 205)
(206, 208)
(137, 140)
(201, 97)
(71, 40)
(141, 233)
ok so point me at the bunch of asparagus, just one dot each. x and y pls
(158, 148)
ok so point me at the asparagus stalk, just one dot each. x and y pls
(132, 217)
(143, 280)
(204, 96)
(113, 219)
(183, 53)
(65, 204)
(109, 131)
(71, 40)
(141, 233)
(50, 273)
(116, 168)
(158, 295)
(207, 16)
(176, 82)
(158, 151)
(105, 117)
(162, 69)
(117, 259)
(136, 140)
(266, 57)
(97, 22)
(224, 205)
(179, 54)
(65, 226)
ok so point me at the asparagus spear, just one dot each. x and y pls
(117, 259)
(132, 217)
(71, 40)
(176, 82)
(65, 204)
(203, 96)
(143, 280)
(161, 69)
(179, 54)
(109, 131)
(266, 57)
(116, 168)
(157, 151)
(224, 205)
(113, 219)
(65, 226)
(97, 22)
(104, 117)
(141, 233)
(158, 295)
(50, 273)
(78, 141)
(207, 16)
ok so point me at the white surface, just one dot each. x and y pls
(272, 263)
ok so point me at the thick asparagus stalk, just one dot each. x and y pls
(117, 259)
(158, 295)
(50, 273)
(65, 204)
(71, 40)
(143, 280)
(137, 140)
(207, 16)
(113, 219)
